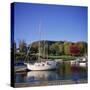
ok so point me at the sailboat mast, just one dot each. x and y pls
(28, 50)
(44, 49)
(47, 50)
(39, 46)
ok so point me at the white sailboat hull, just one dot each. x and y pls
(41, 66)
(32, 67)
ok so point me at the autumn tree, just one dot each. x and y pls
(74, 50)
(83, 47)
(66, 48)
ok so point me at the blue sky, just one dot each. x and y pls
(56, 22)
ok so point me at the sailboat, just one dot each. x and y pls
(41, 64)
(47, 65)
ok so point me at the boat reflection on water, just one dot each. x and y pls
(42, 75)
(66, 72)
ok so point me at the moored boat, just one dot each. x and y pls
(43, 65)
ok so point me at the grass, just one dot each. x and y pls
(64, 57)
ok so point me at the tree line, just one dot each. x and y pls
(49, 48)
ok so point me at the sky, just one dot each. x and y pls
(33, 22)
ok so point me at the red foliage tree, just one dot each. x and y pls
(74, 50)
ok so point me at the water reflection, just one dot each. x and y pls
(64, 73)
(42, 75)
(20, 77)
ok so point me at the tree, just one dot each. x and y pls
(66, 48)
(61, 49)
(34, 48)
(83, 47)
(56, 49)
(74, 50)
(23, 46)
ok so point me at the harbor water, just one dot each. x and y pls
(63, 73)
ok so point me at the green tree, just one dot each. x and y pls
(23, 46)
(55, 49)
(34, 48)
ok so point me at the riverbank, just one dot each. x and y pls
(49, 83)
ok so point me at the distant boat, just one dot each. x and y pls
(42, 65)
(83, 62)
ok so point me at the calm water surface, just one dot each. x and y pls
(63, 73)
